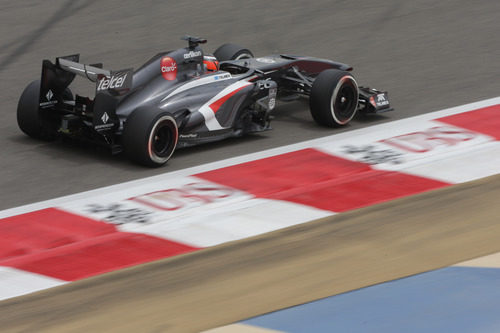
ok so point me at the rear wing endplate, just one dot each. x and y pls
(57, 77)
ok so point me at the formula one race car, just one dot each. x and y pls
(182, 98)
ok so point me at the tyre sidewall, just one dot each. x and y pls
(29, 116)
(232, 52)
(346, 79)
(242, 54)
(138, 135)
(324, 92)
(166, 121)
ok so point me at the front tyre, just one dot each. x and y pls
(29, 116)
(150, 136)
(334, 98)
(232, 52)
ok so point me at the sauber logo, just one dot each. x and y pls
(50, 102)
(105, 118)
(49, 95)
(113, 82)
(168, 68)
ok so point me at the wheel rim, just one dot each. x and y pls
(243, 56)
(162, 139)
(344, 100)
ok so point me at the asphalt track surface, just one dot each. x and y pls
(429, 55)
(237, 280)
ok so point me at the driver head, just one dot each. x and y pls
(211, 64)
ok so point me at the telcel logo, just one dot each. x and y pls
(114, 82)
(168, 68)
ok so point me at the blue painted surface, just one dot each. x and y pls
(453, 299)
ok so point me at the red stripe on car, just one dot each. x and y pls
(218, 103)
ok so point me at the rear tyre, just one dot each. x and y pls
(150, 137)
(334, 98)
(232, 52)
(29, 116)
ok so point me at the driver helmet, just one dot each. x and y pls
(210, 63)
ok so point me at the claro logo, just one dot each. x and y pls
(168, 68)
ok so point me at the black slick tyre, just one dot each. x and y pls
(29, 116)
(232, 52)
(150, 136)
(334, 98)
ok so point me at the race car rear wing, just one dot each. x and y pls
(109, 86)
(91, 72)
(57, 77)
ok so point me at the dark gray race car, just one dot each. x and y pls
(184, 97)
